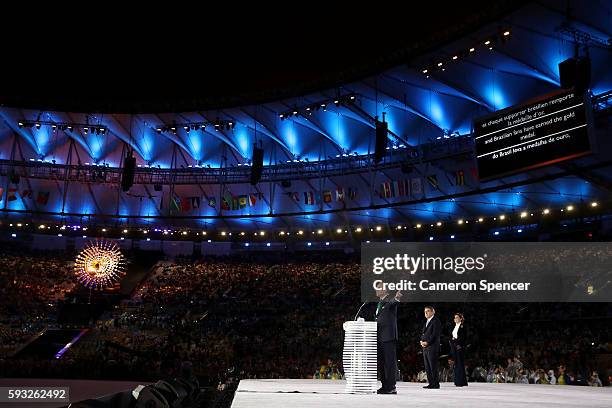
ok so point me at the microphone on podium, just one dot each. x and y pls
(358, 311)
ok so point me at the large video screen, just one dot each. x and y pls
(542, 132)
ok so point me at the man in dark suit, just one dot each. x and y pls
(430, 342)
(386, 319)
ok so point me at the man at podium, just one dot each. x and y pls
(386, 321)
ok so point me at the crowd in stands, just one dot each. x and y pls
(514, 372)
(225, 314)
(281, 316)
(30, 287)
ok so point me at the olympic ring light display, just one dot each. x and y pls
(99, 265)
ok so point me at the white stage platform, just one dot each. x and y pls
(330, 393)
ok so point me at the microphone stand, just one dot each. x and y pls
(358, 311)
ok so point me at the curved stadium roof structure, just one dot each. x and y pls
(193, 167)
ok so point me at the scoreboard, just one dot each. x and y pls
(548, 130)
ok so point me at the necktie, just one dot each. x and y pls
(379, 307)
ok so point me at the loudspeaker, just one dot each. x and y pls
(157, 187)
(575, 72)
(257, 166)
(15, 179)
(286, 183)
(381, 141)
(127, 176)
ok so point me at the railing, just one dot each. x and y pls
(343, 165)
(602, 103)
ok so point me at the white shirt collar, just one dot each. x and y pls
(428, 320)
(456, 330)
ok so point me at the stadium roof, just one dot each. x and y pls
(429, 89)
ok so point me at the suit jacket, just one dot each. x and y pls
(461, 335)
(387, 319)
(431, 333)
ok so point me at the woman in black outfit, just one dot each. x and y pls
(458, 343)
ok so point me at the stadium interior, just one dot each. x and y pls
(238, 200)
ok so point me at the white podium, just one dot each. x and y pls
(359, 357)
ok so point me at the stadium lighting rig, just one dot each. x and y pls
(440, 64)
(579, 36)
(307, 110)
(217, 124)
(65, 126)
(505, 221)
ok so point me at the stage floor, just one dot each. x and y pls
(330, 393)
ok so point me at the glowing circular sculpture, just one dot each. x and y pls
(99, 265)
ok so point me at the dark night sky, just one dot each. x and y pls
(127, 65)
